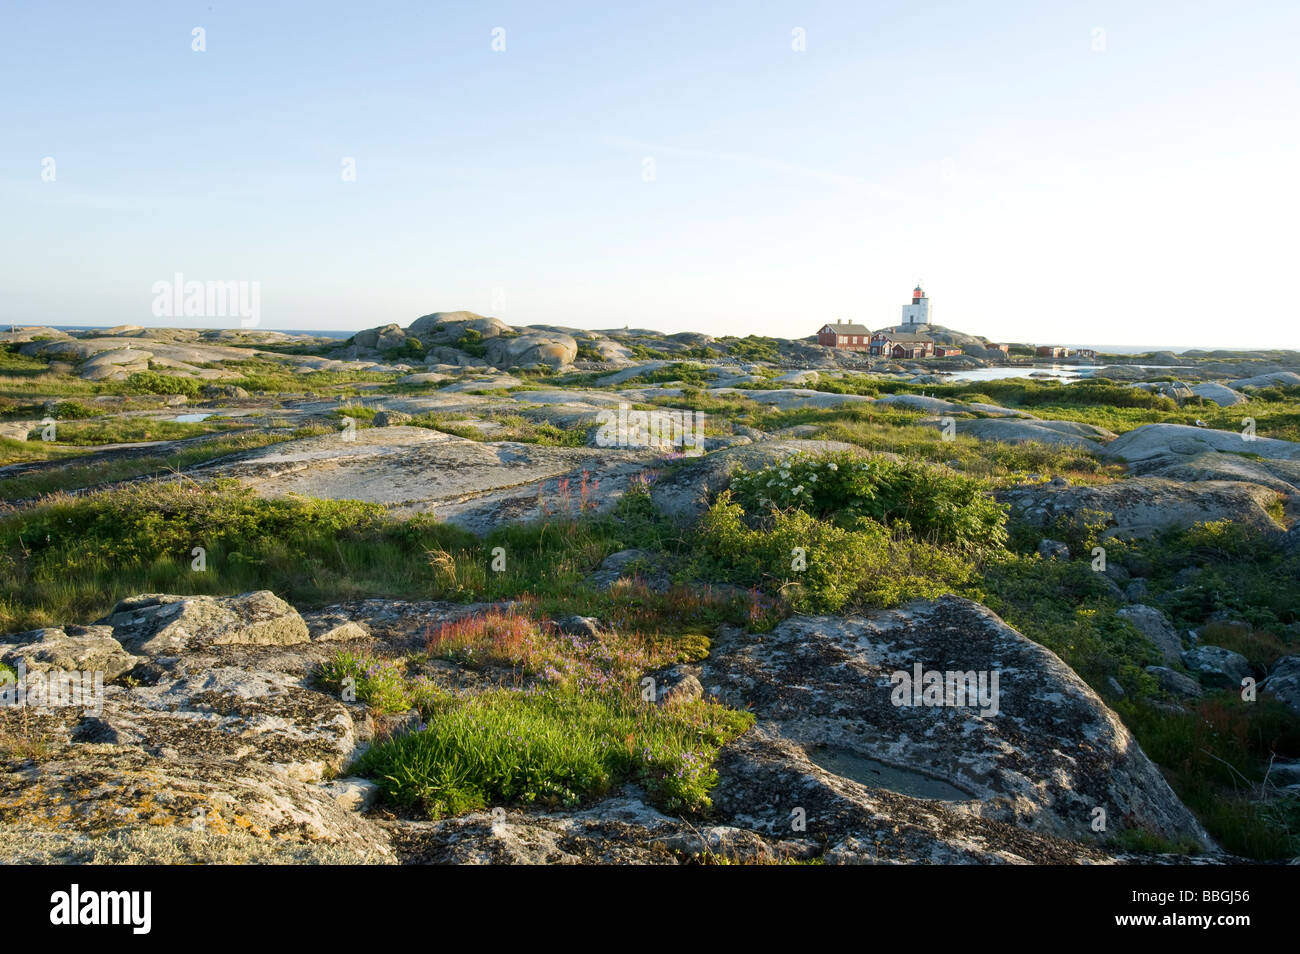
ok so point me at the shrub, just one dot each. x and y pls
(754, 348)
(471, 342)
(151, 382)
(934, 503)
(819, 566)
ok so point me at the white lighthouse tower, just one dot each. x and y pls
(918, 312)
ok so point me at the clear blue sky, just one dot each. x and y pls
(1045, 190)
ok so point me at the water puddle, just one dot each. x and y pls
(191, 418)
(889, 777)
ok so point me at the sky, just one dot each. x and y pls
(1052, 172)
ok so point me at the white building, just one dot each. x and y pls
(918, 312)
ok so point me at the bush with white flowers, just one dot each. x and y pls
(911, 496)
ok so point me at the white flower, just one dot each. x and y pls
(831, 466)
(799, 489)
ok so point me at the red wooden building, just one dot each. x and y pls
(843, 334)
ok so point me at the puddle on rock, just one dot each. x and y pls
(889, 777)
(191, 418)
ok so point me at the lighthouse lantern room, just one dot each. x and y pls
(918, 312)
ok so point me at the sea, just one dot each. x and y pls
(322, 333)
(1059, 372)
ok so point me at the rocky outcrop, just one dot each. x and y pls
(1284, 378)
(214, 751)
(1220, 394)
(791, 398)
(157, 625)
(1038, 749)
(474, 484)
(1058, 433)
(1279, 475)
(552, 349)
(115, 364)
(221, 749)
(934, 405)
(1181, 440)
(1142, 505)
(71, 648)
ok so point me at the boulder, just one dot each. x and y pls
(390, 338)
(370, 338)
(17, 430)
(552, 349)
(1137, 590)
(1284, 378)
(446, 326)
(223, 392)
(1220, 394)
(1175, 683)
(587, 626)
(1031, 743)
(1057, 433)
(1183, 440)
(1053, 550)
(676, 685)
(1149, 503)
(628, 565)
(154, 624)
(1283, 682)
(69, 649)
(1217, 667)
(1153, 624)
(390, 418)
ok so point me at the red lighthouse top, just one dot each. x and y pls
(917, 294)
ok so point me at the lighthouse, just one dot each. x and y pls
(918, 312)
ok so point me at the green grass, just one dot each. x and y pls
(126, 430)
(511, 427)
(62, 410)
(11, 362)
(1214, 758)
(69, 560)
(555, 748)
(685, 372)
(43, 385)
(75, 476)
(1215, 751)
(72, 558)
(1114, 406)
(358, 412)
